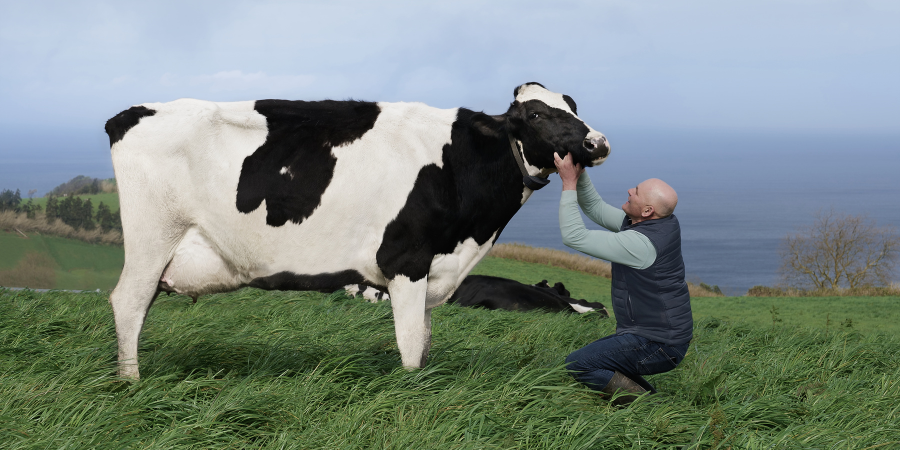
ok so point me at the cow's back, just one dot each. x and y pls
(257, 189)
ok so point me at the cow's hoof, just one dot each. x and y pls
(129, 373)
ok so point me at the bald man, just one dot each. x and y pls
(650, 297)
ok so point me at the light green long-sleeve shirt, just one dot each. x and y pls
(628, 248)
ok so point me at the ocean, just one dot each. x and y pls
(739, 194)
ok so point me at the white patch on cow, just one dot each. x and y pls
(526, 194)
(197, 267)
(448, 271)
(373, 295)
(532, 170)
(410, 316)
(580, 309)
(551, 99)
(352, 289)
(405, 138)
(196, 164)
(554, 100)
(286, 170)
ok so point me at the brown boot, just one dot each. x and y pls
(621, 384)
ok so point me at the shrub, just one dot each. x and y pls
(839, 251)
(865, 291)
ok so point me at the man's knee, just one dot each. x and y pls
(573, 365)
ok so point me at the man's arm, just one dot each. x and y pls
(628, 248)
(602, 213)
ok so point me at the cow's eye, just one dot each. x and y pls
(533, 115)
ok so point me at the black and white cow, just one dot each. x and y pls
(502, 293)
(297, 195)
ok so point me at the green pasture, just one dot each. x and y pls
(864, 314)
(110, 199)
(283, 370)
(78, 265)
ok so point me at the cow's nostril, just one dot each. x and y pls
(589, 144)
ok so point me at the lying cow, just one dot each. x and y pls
(297, 195)
(502, 293)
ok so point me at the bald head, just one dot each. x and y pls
(652, 199)
(661, 196)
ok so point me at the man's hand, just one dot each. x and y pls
(568, 172)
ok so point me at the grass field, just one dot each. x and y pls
(66, 263)
(256, 369)
(110, 199)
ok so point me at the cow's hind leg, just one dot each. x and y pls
(131, 299)
(410, 317)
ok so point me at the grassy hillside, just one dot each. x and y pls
(261, 370)
(109, 199)
(58, 262)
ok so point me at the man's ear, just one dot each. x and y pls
(647, 211)
(490, 126)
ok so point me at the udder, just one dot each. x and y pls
(197, 268)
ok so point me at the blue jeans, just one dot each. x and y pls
(632, 355)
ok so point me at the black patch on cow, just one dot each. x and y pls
(561, 289)
(124, 121)
(516, 90)
(301, 136)
(325, 282)
(571, 103)
(501, 293)
(475, 193)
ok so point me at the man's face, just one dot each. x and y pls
(636, 203)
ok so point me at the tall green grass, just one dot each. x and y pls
(256, 369)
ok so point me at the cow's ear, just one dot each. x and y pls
(490, 126)
(571, 104)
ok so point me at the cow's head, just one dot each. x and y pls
(545, 122)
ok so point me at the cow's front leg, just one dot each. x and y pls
(408, 304)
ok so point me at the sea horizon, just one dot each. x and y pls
(740, 193)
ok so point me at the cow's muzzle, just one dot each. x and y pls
(597, 145)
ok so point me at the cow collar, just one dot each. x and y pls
(530, 181)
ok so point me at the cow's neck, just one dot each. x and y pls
(530, 181)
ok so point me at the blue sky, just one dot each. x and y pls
(763, 67)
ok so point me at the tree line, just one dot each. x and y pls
(71, 210)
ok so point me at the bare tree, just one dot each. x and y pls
(839, 250)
